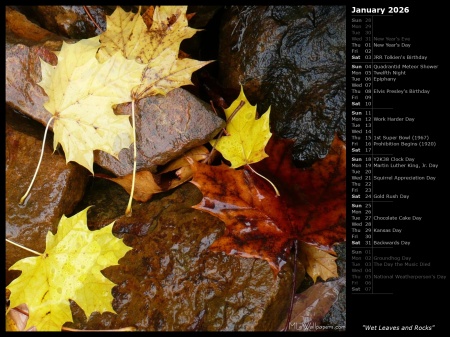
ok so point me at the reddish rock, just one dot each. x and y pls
(20, 28)
(26, 44)
(56, 191)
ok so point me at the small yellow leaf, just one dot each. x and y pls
(70, 268)
(317, 262)
(247, 136)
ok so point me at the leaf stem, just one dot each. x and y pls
(39, 163)
(23, 247)
(23, 312)
(241, 104)
(271, 183)
(129, 210)
(86, 9)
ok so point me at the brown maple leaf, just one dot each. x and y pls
(311, 206)
(315, 197)
(172, 175)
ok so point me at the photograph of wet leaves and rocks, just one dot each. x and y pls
(175, 168)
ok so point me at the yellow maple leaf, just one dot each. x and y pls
(82, 93)
(157, 47)
(247, 137)
(318, 263)
(68, 269)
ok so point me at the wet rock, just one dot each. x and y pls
(21, 30)
(170, 281)
(337, 317)
(291, 58)
(57, 189)
(166, 126)
(72, 21)
(26, 44)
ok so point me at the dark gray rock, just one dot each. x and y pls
(337, 316)
(291, 58)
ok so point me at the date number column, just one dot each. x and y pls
(361, 178)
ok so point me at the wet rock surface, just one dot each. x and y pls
(170, 281)
(26, 44)
(57, 190)
(18, 26)
(337, 316)
(291, 58)
(23, 72)
(166, 127)
(71, 21)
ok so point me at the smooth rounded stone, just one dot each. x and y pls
(170, 281)
(56, 191)
(26, 44)
(166, 127)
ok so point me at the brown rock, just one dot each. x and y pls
(19, 27)
(26, 43)
(57, 189)
(166, 126)
(72, 21)
(23, 72)
(170, 281)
